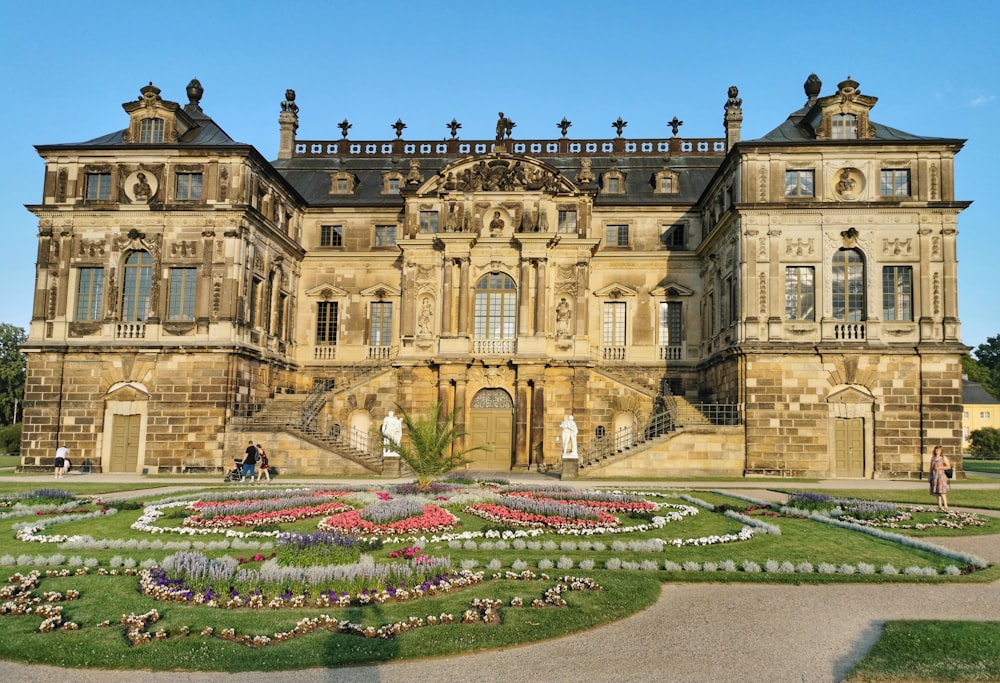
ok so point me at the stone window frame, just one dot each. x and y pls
(674, 236)
(390, 187)
(350, 183)
(801, 172)
(613, 175)
(385, 243)
(617, 243)
(426, 227)
(562, 219)
(91, 171)
(190, 172)
(666, 174)
(902, 309)
(895, 168)
(331, 236)
(149, 132)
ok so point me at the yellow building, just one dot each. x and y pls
(980, 410)
(785, 305)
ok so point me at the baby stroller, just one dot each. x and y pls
(235, 474)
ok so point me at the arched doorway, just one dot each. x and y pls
(491, 424)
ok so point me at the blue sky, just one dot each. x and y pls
(68, 67)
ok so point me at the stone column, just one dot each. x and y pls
(459, 405)
(408, 303)
(537, 445)
(463, 297)
(580, 318)
(447, 300)
(541, 304)
(524, 303)
(522, 402)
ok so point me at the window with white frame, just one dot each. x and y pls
(189, 185)
(428, 222)
(136, 286)
(151, 131)
(181, 296)
(800, 183)
(495, 307)
(671, 330)
(567, 221)
(895, 182)
(844, 127)
(897, 293)
(380, 325)
(613, 324)
(98, 186)
(848, 286)
(385, 235)
(616, 235)
(800, 293)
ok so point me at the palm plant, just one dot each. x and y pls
(428, 446)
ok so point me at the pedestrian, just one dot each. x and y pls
(939, 477)
(265, 466)
(62, 457)
(250, 462)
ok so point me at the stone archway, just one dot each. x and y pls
(491, 425)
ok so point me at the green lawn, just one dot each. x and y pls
(986, 466)
(629, 575)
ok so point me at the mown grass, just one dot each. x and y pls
(915, 651)
(625, 592)
(975, 465)
(984, 499)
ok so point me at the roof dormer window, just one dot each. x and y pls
(845, 127)
(151, 131)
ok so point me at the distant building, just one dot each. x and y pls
(779, 306)
(980, 410)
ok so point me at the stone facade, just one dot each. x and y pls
(799, 290)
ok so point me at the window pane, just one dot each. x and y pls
(330, 236)
(567, 221)
(98, 186)
(614, 323)
(617, 236)
(800, 293)
(189, 185)
(845, 127)
(385, 235)
(495, 307)
(799, 183)
(380, 333)
(670, 323)
(326, 323)
(848, 286)
(897, 301)
(895, 182)
(136, 286)
(429, 221)
(151, 131)
(183, 282)
(90, 294)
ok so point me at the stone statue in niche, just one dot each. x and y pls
(425, 319)
(563, 315)
(569, 432)
(392, 430)
(496, 225)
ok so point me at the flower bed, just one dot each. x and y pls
(504, 514)
(433, 519)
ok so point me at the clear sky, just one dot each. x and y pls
(68, 66)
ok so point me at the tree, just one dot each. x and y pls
(428, 446)
(985, 443)
(988, 357)
(12, 369)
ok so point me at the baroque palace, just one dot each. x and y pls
(781, 306)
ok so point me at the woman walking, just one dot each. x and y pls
(939, 478)
(265, 466)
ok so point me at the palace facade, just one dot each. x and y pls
(781, 306)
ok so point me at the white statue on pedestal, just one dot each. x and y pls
(392, 430)
(569, 430)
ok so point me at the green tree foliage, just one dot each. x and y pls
(985, 443)
(10, 438)
(428, 446)
(988, 357)
(12, 367)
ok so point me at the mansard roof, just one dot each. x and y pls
(973, 393)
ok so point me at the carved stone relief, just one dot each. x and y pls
(566, 280)
(897, 246)
(800, 246)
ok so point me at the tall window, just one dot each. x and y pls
(180, 304)
(256, 285)
(495, 307)
(380, 331)
(567, 221)
(151, 130)
(671, 332)
(848, 286)
(800, 293)
(617, 236)
(326, 323)
(800, 183)
(897, 293)
(895, 182)
(613, 330)
(136, 286)
(429, 221)
(98, 186)
(385, 235)
(331, 236)
(845, 127)
(90, 294)
(189, 185)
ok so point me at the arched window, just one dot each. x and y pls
(138, 277)
(151, 130)
(496, 305)
(848, 279)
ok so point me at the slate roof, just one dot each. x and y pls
(973, 393)
(206, 133)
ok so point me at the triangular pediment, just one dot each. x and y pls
(381, 291)
(850, 394)
(615, 290)
(498, 172)
(128, 391)
(326, 291)
(671, 289)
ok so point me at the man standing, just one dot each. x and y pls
(62, 454)
(250, 462)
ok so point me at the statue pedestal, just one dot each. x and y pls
(570, 467)
(391, 467)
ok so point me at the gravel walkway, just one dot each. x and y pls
(695, 633)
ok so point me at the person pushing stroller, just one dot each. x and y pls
(250, 462)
